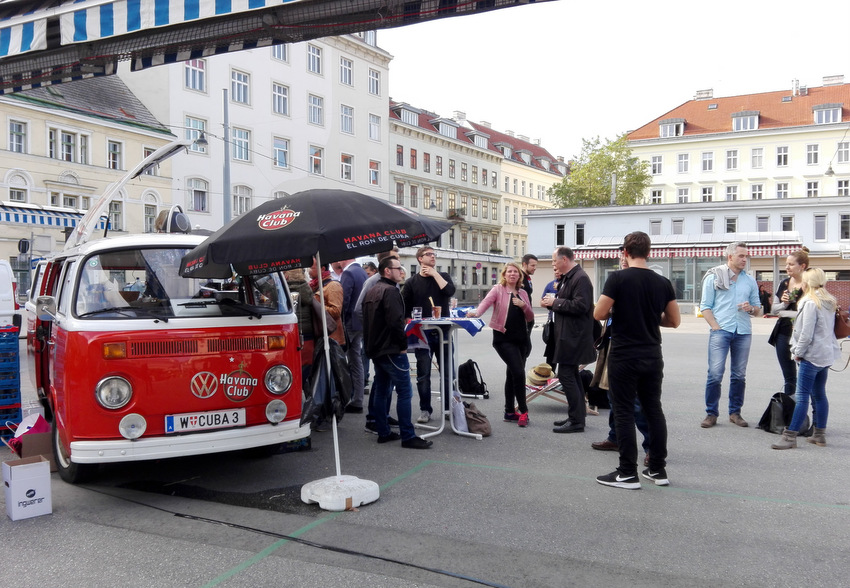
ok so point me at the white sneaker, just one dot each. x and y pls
(424, 417)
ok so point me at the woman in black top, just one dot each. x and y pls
(785, 305)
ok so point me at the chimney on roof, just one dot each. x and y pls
(795, 87)
(704, 94)
(537, 142)
(509, 133)
(460, 116)
(522, 138)
(484, 123)
(561, 158)
(833, 80)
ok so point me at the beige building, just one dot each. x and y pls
(62, 147)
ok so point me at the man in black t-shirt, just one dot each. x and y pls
(639, 301)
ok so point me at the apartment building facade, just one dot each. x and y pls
(277, 120)
(62, 147)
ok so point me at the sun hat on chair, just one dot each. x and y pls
(539, 374)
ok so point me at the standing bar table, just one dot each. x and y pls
(446, 330)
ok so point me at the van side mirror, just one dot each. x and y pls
(45, 308)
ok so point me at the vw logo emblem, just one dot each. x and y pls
(204, 384)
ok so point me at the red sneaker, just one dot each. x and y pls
(523, 420)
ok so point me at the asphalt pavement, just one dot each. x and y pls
(520, 508)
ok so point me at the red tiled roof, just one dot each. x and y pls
(773, 112)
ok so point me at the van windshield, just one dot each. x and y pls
(145, 284)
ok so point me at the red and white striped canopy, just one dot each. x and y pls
(692, 251)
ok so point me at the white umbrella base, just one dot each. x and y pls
(339, 493)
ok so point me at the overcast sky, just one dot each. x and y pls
(566, 70)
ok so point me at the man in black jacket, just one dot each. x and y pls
(386, 345)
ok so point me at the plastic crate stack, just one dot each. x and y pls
(10, 381)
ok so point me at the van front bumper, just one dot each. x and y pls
(166, 446)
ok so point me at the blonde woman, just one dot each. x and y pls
(511, 312)
(814, 348)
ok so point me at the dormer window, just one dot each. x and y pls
(747, 120)
(446, 127)
(825, 114)
(410, 117)
(545, 162)
(480, 140)
(671, 127)
(506, 149)
(525, 155)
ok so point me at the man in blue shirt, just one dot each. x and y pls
(730, 298)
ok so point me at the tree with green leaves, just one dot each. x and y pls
(589, 182)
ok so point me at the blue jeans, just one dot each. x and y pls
(392, 370)
(811, 382)
(720, 344)
(354, 353)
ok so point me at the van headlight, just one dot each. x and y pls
(113, 392)
(278, 379)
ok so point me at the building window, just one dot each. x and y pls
(241, 200)
(426, 163)
(116, 215)
(731, 224)
(683, 163)
(475, 175)
(374, 172)
(315, 109)
(844, 187)
(399, 193)
(707, 226)
(762, 224)
(825, 116)
(281, 152)
(281, 52)
(374, 127)
(414, 197)
(495, 181)
(474, 203)
(677, 226)
(731, 193)
(439, 199)
(280, 98)
(812, 154)
(485, 209)
(154, 170)
(240, 87)
(757, 191)
(463, 172)
(820, 227)
(240, 144)
(413, 159)
(346, 119)
(656, 165)
(346, 71)
(17, 195)
(516, 215)
(194, 128)
(314, 59)
(67, 146)
(114, 156)
(732, 159)
(452, 168)
(374, 82)
(708, 161)
(484, 177)
(842, 153)
(494, 208)
(757, 158)
(17, 136)
(399, 155)
(844, 227)
(812, 189)
(507, 213)
(708, 194)
(782, 156)
(196, 75)
(655, 196)
(579, 233)
(683, 195)
(426, 198)
(317, 156)
(198, 194)
(787, 222)
(507, 184)
(346, 166)
(782, 190)
(676, 129)
(439, 165)
(655, 227)
(745, 123)
(150, 218)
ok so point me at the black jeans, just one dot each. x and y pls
(786, 364)
(570, 380)
(631, 379)
(514, 354)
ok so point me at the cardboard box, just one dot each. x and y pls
(33, 444)
(27, 487)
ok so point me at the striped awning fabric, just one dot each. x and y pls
(38, 216)
(20, 37)
(755, 250)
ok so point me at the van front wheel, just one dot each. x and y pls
(73, 473)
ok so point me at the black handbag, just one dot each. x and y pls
(548, 330)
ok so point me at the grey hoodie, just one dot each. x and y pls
(813, 338)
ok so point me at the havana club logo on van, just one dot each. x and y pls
(277, 219)
(238, 385)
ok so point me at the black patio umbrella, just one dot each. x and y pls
(287, 232)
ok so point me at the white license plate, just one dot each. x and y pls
(204, 421)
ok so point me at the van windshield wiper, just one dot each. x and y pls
(124, 310)
(229, 303)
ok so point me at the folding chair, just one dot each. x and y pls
(552, 390)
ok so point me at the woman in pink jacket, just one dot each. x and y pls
(511, 312)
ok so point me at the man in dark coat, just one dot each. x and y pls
(573, 311)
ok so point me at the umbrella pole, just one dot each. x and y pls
(328, 356)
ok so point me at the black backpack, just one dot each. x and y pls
(469, 380)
